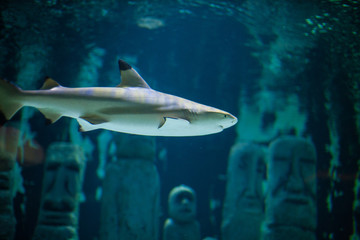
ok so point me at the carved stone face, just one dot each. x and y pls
(61, 189)
(182, 204)
(7, 163)
(7, 219)
(292, 183)
(245, 173)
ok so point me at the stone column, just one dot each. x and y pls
(182, 223)
(356, 207)
(131, 192)
(243, 211)
(7, 218)
(63, 177)
(291, 200)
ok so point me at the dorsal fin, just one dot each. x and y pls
(49, 84)
(129, 77)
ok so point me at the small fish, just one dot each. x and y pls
(131, 107)
(150, 23)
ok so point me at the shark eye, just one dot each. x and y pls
(225, 116)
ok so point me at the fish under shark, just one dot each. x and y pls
(131, 107)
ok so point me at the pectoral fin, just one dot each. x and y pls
(86, 125)
(94, 120)
(162, 122)
(90, 122)
(175, 123)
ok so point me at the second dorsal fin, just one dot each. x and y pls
(49, 84)
(129, 77)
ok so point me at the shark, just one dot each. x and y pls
(131, 107)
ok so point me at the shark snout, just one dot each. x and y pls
(228, 121)
(233, 120)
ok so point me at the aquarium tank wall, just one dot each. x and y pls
(287, 70)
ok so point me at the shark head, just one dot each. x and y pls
(224, 119)
(216, 119)
(206, 121)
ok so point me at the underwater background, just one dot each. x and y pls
(281, 67)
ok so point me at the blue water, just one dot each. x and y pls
(219, 53)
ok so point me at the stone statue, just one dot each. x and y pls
(7, 218)
(243, 211)
(131, 191)
(63, 177)
(181, 224)
(291, 200)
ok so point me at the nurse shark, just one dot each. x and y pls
(131, 107)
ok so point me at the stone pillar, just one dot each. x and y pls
(243, 211)
(63, 177)
(7, 218)
(182, 223)
(291, 200)
(131, 191)
(356, 207)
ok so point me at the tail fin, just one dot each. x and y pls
(8, 100)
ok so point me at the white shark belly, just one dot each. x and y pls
(149, 125)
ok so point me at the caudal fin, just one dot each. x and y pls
(9, 103)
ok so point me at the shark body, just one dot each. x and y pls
(131, 107)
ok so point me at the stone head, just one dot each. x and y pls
(292, 182)
(246, 172)
(63, 174)
(182, 204)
